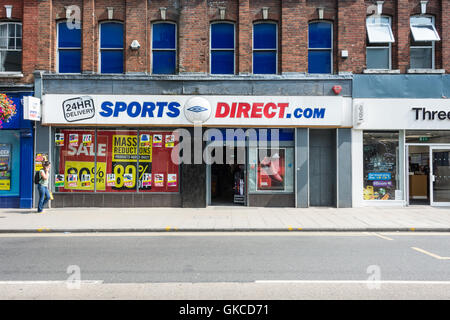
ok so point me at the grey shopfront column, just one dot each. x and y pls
(344, 167)
(302, 167)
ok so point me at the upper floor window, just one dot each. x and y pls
(222, 48)
(320, 47)
(423, 36)
(265, 48)
(69, 48)
(164, 48)
(379, 40)
(10, 47)
(111, 47)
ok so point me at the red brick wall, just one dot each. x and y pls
(193, 18)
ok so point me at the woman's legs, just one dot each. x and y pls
(44, 196)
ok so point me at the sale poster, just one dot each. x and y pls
(157, 140)
(73, 139)
(72, 180)
(38, 160)
(271, 170)
(171, 180)
(87, 139)
(86, 180)
(110, 180)
(147, 180)
(59, 139)
(5, 166)
(170, 141)
(59, 180)
(159, 180)
(128, 180)
(145, 140)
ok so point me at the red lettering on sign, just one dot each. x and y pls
(282, 107)
(223, 109)
(243, 109)
(257, 109)
(267, 108)
(233, 110)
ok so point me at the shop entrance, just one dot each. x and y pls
(228, 179)
(429, 174)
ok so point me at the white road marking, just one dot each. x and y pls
(349, 282)
(382, 237)
(430, 254)
(51, 282)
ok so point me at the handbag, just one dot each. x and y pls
(51, 195)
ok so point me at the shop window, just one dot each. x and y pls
(9, 163)
(222, 48)
(423, 37)
(69, 48)
(111, 47)
(11, 47)
(320, 47)
(381, 162)
(379, 40)
(164, 48)
(265, 48)
(115, 161)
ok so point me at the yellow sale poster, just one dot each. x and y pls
(83, 169)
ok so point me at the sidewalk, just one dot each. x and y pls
(415, 218)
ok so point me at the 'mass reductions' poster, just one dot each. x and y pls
(117, 162)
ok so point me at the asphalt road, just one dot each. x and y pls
(250, 260)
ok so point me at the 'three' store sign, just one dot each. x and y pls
(188, 110)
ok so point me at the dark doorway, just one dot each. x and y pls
(228, 181)
(322, 169)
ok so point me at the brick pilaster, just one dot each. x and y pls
(294, 47)
(244, 39)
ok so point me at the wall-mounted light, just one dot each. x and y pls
(423, 6)
(265, 13)
(380, 7)
(110, 12)
(135, 45)
(8, 11)
(222, 13)
(162, 12)
(320, 11)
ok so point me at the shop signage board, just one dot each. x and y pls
(401, 114)
(31, 108)
(276, 111)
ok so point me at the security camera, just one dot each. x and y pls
(135, 45)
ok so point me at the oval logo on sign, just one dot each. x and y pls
(197, 110)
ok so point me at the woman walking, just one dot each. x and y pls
(44, 194)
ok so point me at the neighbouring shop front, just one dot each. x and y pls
(141, 150)
(16, 155)
(401, 151)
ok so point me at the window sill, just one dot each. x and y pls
(380, 71)
(11, 75)
(429, 71)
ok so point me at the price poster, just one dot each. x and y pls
(59, 180)
(128, 180)
(73, 139)
(5, 166)
(170, 141)
(147, 180)
(159, 180)
(72, 180)
(86, 180)
(157, 140)
(38, 160)
(171, 180)
(87, 139)
(145, 140)
(59, 139)
(110, 179)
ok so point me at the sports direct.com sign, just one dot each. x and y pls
(195, 110)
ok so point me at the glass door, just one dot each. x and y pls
(440, 176)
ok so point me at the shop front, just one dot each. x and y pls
(111, 150)
(401, 152)
(16, 156)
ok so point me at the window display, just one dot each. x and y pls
(115, 161)
(5, 166)
(380, 165)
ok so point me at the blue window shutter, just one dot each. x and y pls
(265, 36)
(319, 35)
(222, 62)
(319, 61)
(112, 61)
(163, 36)
(222, 36)
(264, 62)
(163, 62)
(68, 38)
(111, 35)
(70, 61)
